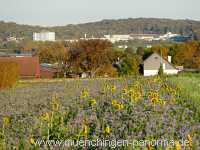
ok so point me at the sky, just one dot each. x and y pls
(63, 12)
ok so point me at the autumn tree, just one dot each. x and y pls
(161, 50)
(186, 54)
(54, 53)
(90, 55)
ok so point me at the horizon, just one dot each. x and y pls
(94, 21)
(60, 13)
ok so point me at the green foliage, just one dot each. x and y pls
(125, 68)
(9, 74)
(189, 84)
(130, 63)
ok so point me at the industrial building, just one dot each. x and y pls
(44, 36)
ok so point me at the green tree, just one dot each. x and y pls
(130, 64)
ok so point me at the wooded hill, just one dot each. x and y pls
(121, 26)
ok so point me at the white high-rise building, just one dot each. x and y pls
(44, 36)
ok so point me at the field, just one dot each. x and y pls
(124, 108)
(190, 85)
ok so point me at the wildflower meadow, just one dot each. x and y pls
(89, 109)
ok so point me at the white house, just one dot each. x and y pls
(154, 61)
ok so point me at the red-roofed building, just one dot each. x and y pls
(29, 65)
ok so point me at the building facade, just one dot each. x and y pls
(117, 38)
(44, 36)
(28, 65)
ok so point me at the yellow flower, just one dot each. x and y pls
(85, 130)
(55, 103)
(84, 93)
(157, 79)
(136, 95)
(121, 106)
(130, 92)
(55, 106)
(137, 85)
(45, 116)
(154, 97)
(117, 105)
(6, 121)
(177, 145)
(113, 88)
(32, 141)
(93, 101)
(107, 130)
(107, 87)
(189, 140)
(125, 91)
(114, 102)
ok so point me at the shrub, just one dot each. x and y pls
(106, 70)
(161, 70)
(9, 73)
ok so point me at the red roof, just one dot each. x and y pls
(29, 65)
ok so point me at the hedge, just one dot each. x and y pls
(9, 74)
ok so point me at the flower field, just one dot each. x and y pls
(89, 109)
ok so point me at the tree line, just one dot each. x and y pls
(186, 54)
(100, 58)
(94, 57)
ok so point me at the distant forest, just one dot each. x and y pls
(98, 29)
